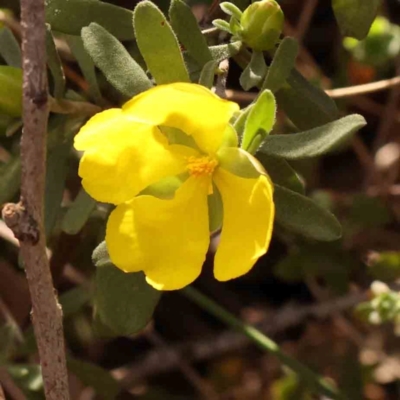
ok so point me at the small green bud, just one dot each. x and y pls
(262, 24)
(10, 91)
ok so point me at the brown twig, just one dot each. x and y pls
(26, 218)
(220, 85)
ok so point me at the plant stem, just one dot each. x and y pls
(25, 219)
(314, 381)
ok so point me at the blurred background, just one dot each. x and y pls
(333, 306)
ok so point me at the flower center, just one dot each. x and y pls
(198, 166)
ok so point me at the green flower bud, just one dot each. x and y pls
(262, 24)
(10, 91)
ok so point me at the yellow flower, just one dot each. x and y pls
(127, 150)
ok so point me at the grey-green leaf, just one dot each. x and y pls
(186, 28)
(281, 172)
(158, 44)
(254, 72)
(86, 65)
(223, 51)
(72, 15)
(105, 386)
(282, 64)
(261, 118)
(124, 301)
(306, 105)
(110, 56)
(355, 17)
(78, 213)
(54, 63)
(9, 48)
(314, 142)
(207, 74)
(301, 215)
(10, 177)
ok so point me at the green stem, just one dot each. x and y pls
(318, 383)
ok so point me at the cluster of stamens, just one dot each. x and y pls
(198, 166)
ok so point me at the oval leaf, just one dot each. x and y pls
(355, 17)
(282, 64)
(9, 48)
(72, 15)
(55, 66)
(314, 142)
(186, 28)
(111, 57)
(207, 74)
(223, 51)
(158, 44)
(301, 215)
(10, 91)
(261, 118)
(254, 72)
(124, 301)
(281, 172)
(78, 213)
(305, 104)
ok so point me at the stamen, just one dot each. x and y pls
(199, 166)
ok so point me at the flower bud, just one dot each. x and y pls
(262, 24)
(10, 91)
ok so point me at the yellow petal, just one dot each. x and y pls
(247, 223)
(123, 157)
(167, 239)
(189, 107)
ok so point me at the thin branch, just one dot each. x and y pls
(220, 85)
(26, 218)
(9, 385)
(305, 19)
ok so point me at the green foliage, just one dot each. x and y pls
(255, 71)
(72, 15)
(355, 16)
(9, 48)
(188, 32)
(10, 174)
(384, 266)
(305, 104)
(368, 212)
(223, 51)
(314, 142)
(123, 301)
(207, 74)
(281, 65)
(259, 122)
(300, 214)
(158, 44)
(78, 213)
(120, 69)
(10, 91)
(94, 376)
(281, 172)
(54, 63)
(29, 378)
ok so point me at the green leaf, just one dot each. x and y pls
(207, 74)
(281, 172)
(73, 300)
(78, 213)
(72, 15)
(124, 301)
(54, 63)
(222, 25)
(10, 177)
(215, 210)
(9, 48)
(240, 122)
(254, 72)
(306, 105)
(86, 65)
(223, 51)
(314, 142)
(56, 173)
(95, 377)
(282, 64)
(110, 56)
(260, 121)
(301, 215)
(231, 9)
(355, 17)
(158, 44)
(27, 376)
(10, 91)
(384, 266)
(186, 28)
